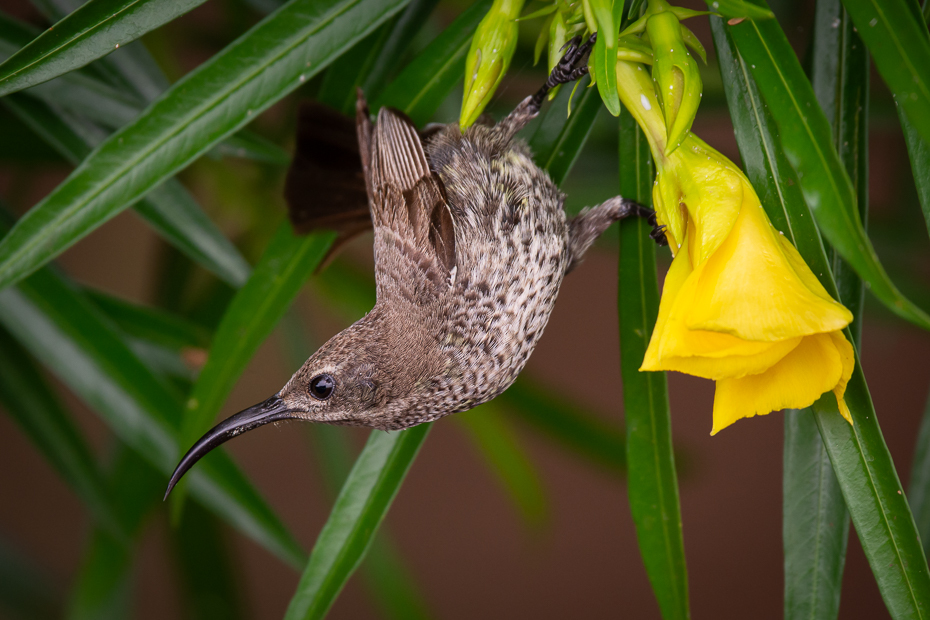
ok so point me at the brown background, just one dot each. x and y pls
(464, 542)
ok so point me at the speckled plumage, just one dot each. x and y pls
(452, 327)
(471, 245)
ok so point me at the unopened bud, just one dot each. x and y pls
(676, 76)
(492, 47)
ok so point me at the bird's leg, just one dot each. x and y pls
(587, 226)
(573, 66)
(566, 70)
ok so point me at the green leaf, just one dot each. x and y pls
(918, 491)
(898, 41)
(266, 63)
(249, 319)
(815, 523)
(409, 23)
(919, 154)
(169, 209)
(94, 30)
(558, 141)
(805, 137)
(498, 443)
(592, 438)
(365, 497)
(29, 400)
(604, 55)
(205, 577)
(815, 520)
(652, 484)
(344, 77)
(860, 458)
(738, 8)
(102, 587)
(875, 499)
(64, 331)
(423, 84)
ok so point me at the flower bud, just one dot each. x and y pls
(676, 76)
(491, 50)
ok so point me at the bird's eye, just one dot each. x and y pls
(322, 386)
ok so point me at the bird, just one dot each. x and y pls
(471, 243)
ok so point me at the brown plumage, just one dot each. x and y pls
(471, 244)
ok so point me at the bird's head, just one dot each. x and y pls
(347, 381)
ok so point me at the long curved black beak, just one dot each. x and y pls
(271, 410)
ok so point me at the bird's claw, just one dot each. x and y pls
(568, 68)
(657, 233)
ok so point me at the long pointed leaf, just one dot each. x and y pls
(102, 589)
(898, 41)
(806, 139)
(860, 458)
(28, 399)
(918, 491)
(263, 65)
(94, 30)
(53, 321)
(170, 208)
(652, 484)
(496, 440)
(364, 500)
(428, 79)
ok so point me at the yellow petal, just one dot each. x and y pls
(848, 356)
(713, 193)
(701, 353)
(749, 288)
(815, 366)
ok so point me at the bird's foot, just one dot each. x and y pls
(658, 230)
(568, 69)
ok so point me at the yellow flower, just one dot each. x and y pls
(739, 304)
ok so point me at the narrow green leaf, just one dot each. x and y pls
(102, 589)
(815, 525)
(497, 442)
(592, 438)
(205, 577)
(402, 35)
(919, 153)
(652, 484)
(391, 584)
(365, 497)
(152, 324)
(739, 8)
(29, 400)
(249, 319)
(64, 331)
(860, 458)
(26, 592)
(94, 30)
(805, 137)
(169, 209)
(898, 41)
(918, 491)
(344, 77)
(876, 501)
(266, 63)
(558, 141)
(423, 84)
(604, 59)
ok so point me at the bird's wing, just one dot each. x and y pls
(414, 227)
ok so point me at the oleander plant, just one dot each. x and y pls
(185, 114)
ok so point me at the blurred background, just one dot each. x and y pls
(545, 534)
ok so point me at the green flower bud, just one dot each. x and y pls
(491, 50)
(676, 76)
